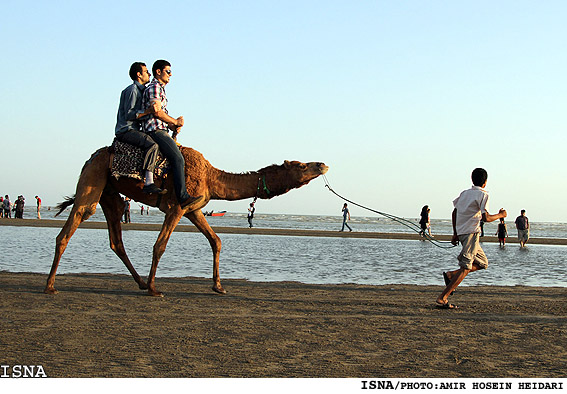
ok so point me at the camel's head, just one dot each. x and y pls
(276, 180)
(303, 173)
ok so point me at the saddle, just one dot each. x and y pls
(128, 159)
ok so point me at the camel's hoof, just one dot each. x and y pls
(50, 290)
(219, 289)
(143, 286)
(155, 293)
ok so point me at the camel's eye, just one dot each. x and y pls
(303, 166)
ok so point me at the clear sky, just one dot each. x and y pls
(402, 99)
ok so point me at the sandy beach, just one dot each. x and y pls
(103, 326)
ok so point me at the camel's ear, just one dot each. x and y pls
(289, 164)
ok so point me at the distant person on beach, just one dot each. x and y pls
(251, 211)
(7, 207)
(19, 207)
(157, 125)
(523, 227)
(128, 127)
(142, 210)
(38, 206)
(126, 210)
(424, 221)
(470, 208)
(346, 216)
(1, 207)
(502, 232)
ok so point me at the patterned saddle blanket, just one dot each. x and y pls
(128, 160)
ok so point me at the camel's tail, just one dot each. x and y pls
(63, 205)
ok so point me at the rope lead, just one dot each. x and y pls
(412, 226)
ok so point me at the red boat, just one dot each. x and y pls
(213, 213)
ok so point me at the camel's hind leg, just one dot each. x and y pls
(81, 211)
(198, 219)
(89, 189)
(113, 207)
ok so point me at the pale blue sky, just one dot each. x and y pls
(402, 99)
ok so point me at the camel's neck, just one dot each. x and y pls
(261, 184)
(227, 186)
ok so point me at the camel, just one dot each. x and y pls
(95, 186)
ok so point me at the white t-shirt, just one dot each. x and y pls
(470, 205)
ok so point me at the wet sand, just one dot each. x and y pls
(103, 326)
(265, 231)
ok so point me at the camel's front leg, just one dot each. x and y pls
(198, 219)
(172, 217)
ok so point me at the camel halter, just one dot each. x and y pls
(412, 226)
(261, 181)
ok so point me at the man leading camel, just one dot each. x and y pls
(158, 124)
(128, 128)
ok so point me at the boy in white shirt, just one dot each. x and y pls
(470, 208)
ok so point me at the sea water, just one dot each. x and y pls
(328, 223)
(318, 260)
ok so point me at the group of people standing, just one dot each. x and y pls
(522, 225)
(142, 121)
(126, 217)
(7, 207)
